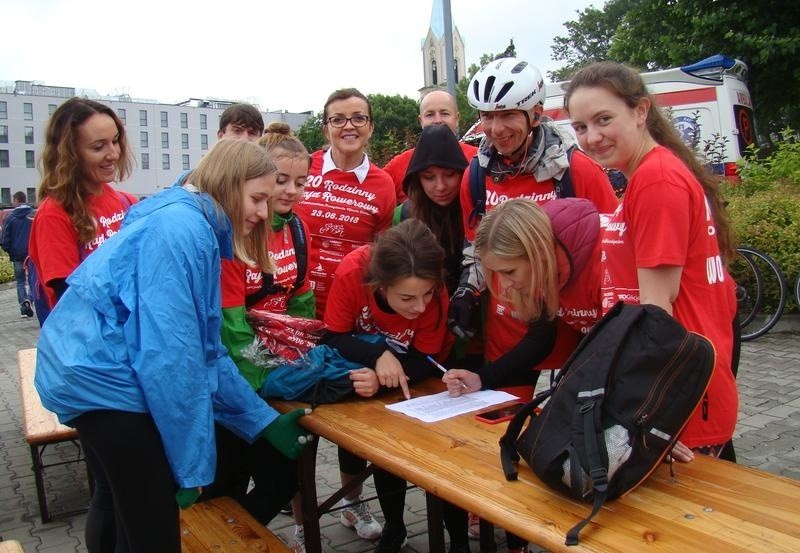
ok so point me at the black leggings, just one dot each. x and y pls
(127, 453)
(391, 489)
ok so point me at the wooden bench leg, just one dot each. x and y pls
(487, 537)
(308, 494)
(36, 459)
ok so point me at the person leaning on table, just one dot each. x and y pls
(131, 355)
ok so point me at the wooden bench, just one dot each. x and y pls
(11, 546)
(221, 525)
(41, 428)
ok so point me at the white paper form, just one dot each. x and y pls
(441, 406)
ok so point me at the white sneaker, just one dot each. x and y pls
(359, 517)
(299, 545)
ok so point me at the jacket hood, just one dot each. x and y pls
(188, 194)
(437, 147)
(576, 225)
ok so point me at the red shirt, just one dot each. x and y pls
(398, 167)
(352, 308)
(54, 245)
(503, 331)
(240, 280)
(664, 219)
(343, 212)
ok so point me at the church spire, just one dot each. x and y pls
(437, 19)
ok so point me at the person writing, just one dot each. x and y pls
(394, 292)
(132, 358)
(669, 241)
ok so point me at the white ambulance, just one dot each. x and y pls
(708, 102)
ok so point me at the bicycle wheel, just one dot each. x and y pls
(749, 287)
(797, 292)
(771, 296)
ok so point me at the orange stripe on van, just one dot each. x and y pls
(707, 94)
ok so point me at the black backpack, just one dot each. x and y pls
(477, 188)
(268, 286)
(616, 408)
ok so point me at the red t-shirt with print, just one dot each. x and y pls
(352, 308)
(664, 220)
(54, 245)
(342, 214)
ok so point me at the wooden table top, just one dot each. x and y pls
(710, 505)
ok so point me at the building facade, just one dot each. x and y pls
(165, 139)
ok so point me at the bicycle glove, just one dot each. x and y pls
(187, 496)
(459, 316)
(286, 435)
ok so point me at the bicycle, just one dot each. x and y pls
(761, 291)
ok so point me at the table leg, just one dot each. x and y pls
(487, 537)
(36, 458)
(435, 523)
(308, 493)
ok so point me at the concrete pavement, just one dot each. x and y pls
(767, 437)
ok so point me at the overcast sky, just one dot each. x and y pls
(286, 54)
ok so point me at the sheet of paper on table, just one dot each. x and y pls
(441, 406)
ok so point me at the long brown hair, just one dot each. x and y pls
(60, 163)
(221, 174)
(406, 250)
(626, 83)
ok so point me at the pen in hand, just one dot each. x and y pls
(441, 368)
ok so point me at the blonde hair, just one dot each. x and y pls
(60, 163)
(278, 136)
(520, 229)
(221, 174)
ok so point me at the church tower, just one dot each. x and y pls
(433, 57)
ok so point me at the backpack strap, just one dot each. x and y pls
(508, 443)
(563, 186)
(477, 191)
(268, 286)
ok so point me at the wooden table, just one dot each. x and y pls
(710, 505)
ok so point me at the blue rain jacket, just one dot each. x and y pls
(138, 330)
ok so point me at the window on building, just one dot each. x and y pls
(165, 140)
(204, 142)
(3, 134)
(5, 196)
(142, 118)
(144, 142)
(164, 119)
(145, 160)
(30, 163)
(28, 135)
(165, 161)
(51, 109)
(27, 110)
(203, 121)
(186, 166)
(185, 141)
(123, 115)
(3, 110)
(4, 160)
(184, 120)
(31, 196)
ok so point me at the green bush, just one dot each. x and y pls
(765, 206)
(6, 269)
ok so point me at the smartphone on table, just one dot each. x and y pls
(500, 414)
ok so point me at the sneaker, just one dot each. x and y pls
(474, 527)
(358, 516)
(287, 509)
(392, 542)
(299, 545)
(27, 310)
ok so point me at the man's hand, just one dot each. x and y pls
(286, 435)
(459, 316)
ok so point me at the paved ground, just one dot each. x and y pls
(767, 437)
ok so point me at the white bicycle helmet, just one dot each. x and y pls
(506, 83)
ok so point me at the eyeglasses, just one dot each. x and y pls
(339, 121)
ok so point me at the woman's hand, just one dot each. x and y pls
(365, 382)
(460, 381)
(391, 374)
(682, 453)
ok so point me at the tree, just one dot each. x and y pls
(655, 34)
(310, 133)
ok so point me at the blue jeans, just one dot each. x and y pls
(19, 276)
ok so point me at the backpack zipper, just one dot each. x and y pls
(662, 384)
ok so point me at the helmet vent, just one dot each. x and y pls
(504, 91)
(487, 89)
(519, 67)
